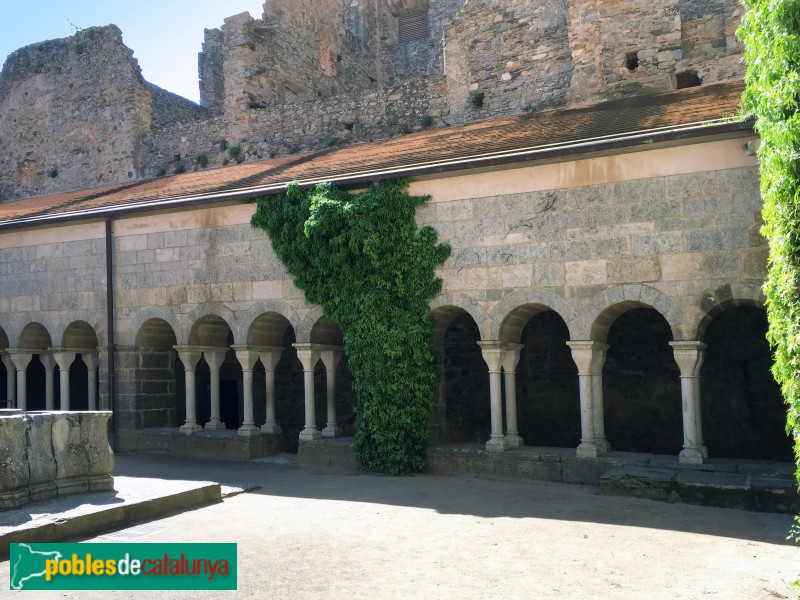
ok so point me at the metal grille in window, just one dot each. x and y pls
(413, 27)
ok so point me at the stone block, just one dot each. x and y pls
(14, 475)
(72, 459)
(683, 266)
(657, 243)
(585, 272)
(634, 269)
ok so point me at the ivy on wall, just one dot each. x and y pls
(770, 32)
(361, 257)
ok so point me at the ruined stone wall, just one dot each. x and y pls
(73, 111)
(416, 58)
(311, 75)
(506, 59)
(300, 51)
(169, 109)
(628, 48)
(281, 130)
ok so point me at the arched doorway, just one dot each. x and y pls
(159, 377)
(641, 385)
(744, 415)
(466, 378)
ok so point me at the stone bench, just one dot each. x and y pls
(49, 454)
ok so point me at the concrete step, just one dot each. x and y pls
(133, 500)
(767, 492)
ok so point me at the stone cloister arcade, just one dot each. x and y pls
(632, 373)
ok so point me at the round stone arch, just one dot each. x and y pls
(713, 301)
(513, 312)
(35, 336)
(302, 331)
(265, 307)
(164, 314)
(604, 309)
(5, 333)
(446, 307)
(23, 321)
(212, 309)
(79, 316)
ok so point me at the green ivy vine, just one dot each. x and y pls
(361, 257)
(770, 32)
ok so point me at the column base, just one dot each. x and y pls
(703, 450)
(589, 450)
(190, 428)
(214, 425)
(332, 431)
(496, 444)
(271, 428)
(309, 435)
(691, 456)
(603, 445)
(248, 430)
(513, 441)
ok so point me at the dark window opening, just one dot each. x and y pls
(687, 80)
(412, 28)
(632, 61)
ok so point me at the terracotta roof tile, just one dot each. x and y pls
(469, 143)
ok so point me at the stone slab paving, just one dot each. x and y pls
(320, 533)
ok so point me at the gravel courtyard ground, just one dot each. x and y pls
(321, 534)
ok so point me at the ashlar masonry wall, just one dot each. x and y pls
(675, 229)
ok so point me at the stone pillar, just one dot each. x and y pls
(11, 380)
(21, 360)
(64, 358)
(269, 358)
(493, 355)
(248, 359)
(330, 358)
(510, 360)
(91, 359)
(589, 357)
(214, 358)
(308, 356)
(190, 357)
(689, 356)
(49, 365)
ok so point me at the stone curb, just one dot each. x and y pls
(113, 517)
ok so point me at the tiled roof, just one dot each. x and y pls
(690, 112)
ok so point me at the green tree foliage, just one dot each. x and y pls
(362, 258)
(770, 31)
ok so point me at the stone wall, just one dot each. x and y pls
(672, 229)
(53, 454)
(310, 75)
(73, 112)
(281, 130)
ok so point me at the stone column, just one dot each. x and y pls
(493, 355)
(248, 359)
(589, 357)
(689, 356)
(308, 356)
(91, 359)
(269, 358)
(510, 360)
(190, 357)
(11, 380)
(21, 360)
(64, 358)
(49, 365)
(330, 358)
(214, 358)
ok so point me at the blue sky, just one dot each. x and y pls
(165, 35)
